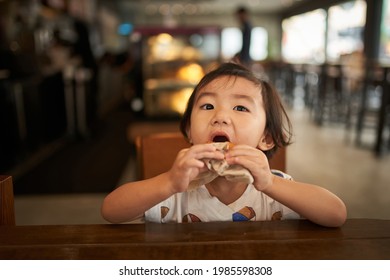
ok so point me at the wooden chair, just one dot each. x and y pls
(156, 153)
(7, 208)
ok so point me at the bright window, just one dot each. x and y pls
(232, 43)
(384, 50)
(259, 44)
(345, 28)
(304, 37)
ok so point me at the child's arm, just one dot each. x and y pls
(131, 200)
(310, 201)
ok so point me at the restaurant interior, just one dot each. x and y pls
(81, 79)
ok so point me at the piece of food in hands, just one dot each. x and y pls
(216, 168)
(235, 173)
(223, 146)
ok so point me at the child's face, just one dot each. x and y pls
(229, 109)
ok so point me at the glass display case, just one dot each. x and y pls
(173, 62)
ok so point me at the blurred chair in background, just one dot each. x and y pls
(7, 208)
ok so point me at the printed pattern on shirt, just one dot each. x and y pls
(199, 206)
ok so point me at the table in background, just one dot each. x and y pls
(290, 239)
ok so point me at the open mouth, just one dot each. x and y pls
(220, 138)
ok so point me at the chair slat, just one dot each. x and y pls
(7, 208)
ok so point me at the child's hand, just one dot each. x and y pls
(188, 164)
(255, 161)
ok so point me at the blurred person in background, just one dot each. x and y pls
(242, 15)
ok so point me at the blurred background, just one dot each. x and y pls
(79, 80)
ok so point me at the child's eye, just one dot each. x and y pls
(207, 106)
(240, 108)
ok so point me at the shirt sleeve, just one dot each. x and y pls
(153, 214)
(164, 212)
(281, 174)
(161, 212)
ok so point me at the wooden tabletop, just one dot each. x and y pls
(293, 239)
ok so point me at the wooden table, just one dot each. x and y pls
(293, 239)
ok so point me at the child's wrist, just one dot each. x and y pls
(269, 187)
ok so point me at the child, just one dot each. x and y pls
(229, 104)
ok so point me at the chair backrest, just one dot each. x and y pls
(156, 153)
(7, 208)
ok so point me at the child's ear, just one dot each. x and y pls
(188, 132)
(266, 142)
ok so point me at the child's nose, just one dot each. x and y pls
(221, 117)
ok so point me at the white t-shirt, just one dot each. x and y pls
(198, 205)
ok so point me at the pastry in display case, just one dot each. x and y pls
(173, 62)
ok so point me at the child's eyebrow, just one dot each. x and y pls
(237, 96)
(205, 94)
(248, 98)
